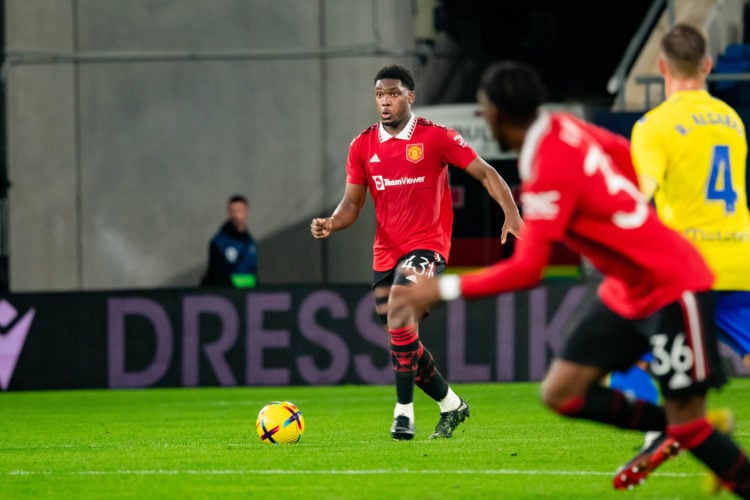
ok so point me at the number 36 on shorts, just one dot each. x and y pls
(672, 363)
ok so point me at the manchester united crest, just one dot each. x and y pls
(414, 152)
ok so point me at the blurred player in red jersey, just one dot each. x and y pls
(690, 154)
(579, 187)
(403, 161)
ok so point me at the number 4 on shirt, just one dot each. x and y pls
(720, 181)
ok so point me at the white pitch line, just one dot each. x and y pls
(340, 472)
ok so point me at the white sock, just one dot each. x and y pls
(450, 402)
(649, 437)
(407, 409)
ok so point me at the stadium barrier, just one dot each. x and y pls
(301, 335)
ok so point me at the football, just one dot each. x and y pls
(280, 422)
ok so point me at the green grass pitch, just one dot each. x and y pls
(201, 443)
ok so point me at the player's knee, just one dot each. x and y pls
(550, 394)
(558, 398)
(400, 312)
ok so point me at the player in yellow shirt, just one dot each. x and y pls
(690, 156)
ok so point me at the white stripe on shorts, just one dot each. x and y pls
(695, 333)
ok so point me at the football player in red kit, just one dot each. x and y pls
(403, 162)
(579, 187)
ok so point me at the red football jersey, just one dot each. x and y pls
(579, 187)
(407, 176)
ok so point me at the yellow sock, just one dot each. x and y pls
(722, 419)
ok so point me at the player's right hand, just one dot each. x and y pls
(321, 228)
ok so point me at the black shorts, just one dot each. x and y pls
(681, 336)
(421, 262)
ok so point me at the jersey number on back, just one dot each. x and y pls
(597, 161)
(720, 180)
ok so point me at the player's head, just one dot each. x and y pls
(683, 54)
(509, 96)
(394, 95)
(396, 72)
(238, 211)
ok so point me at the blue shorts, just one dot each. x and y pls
(732, 317)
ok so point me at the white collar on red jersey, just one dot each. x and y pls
(534, 134)
(405, 133)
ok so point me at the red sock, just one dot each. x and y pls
(405, 358)
(690, 434)
(717, 451)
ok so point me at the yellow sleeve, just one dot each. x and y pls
(648, 151)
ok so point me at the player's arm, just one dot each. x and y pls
(523, 270)
(648, 156)
(345, 215)
(500, 192)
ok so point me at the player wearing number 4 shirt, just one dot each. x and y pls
(579, 187)
(690, 154)
(403, 161)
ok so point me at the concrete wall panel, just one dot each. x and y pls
(43, 198)
(147, 142)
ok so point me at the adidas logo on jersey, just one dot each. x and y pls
(375, 158)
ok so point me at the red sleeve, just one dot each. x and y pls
(523, 270)
(355, 169)
(456, 150)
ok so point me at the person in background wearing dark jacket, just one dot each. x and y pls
(232, 253)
